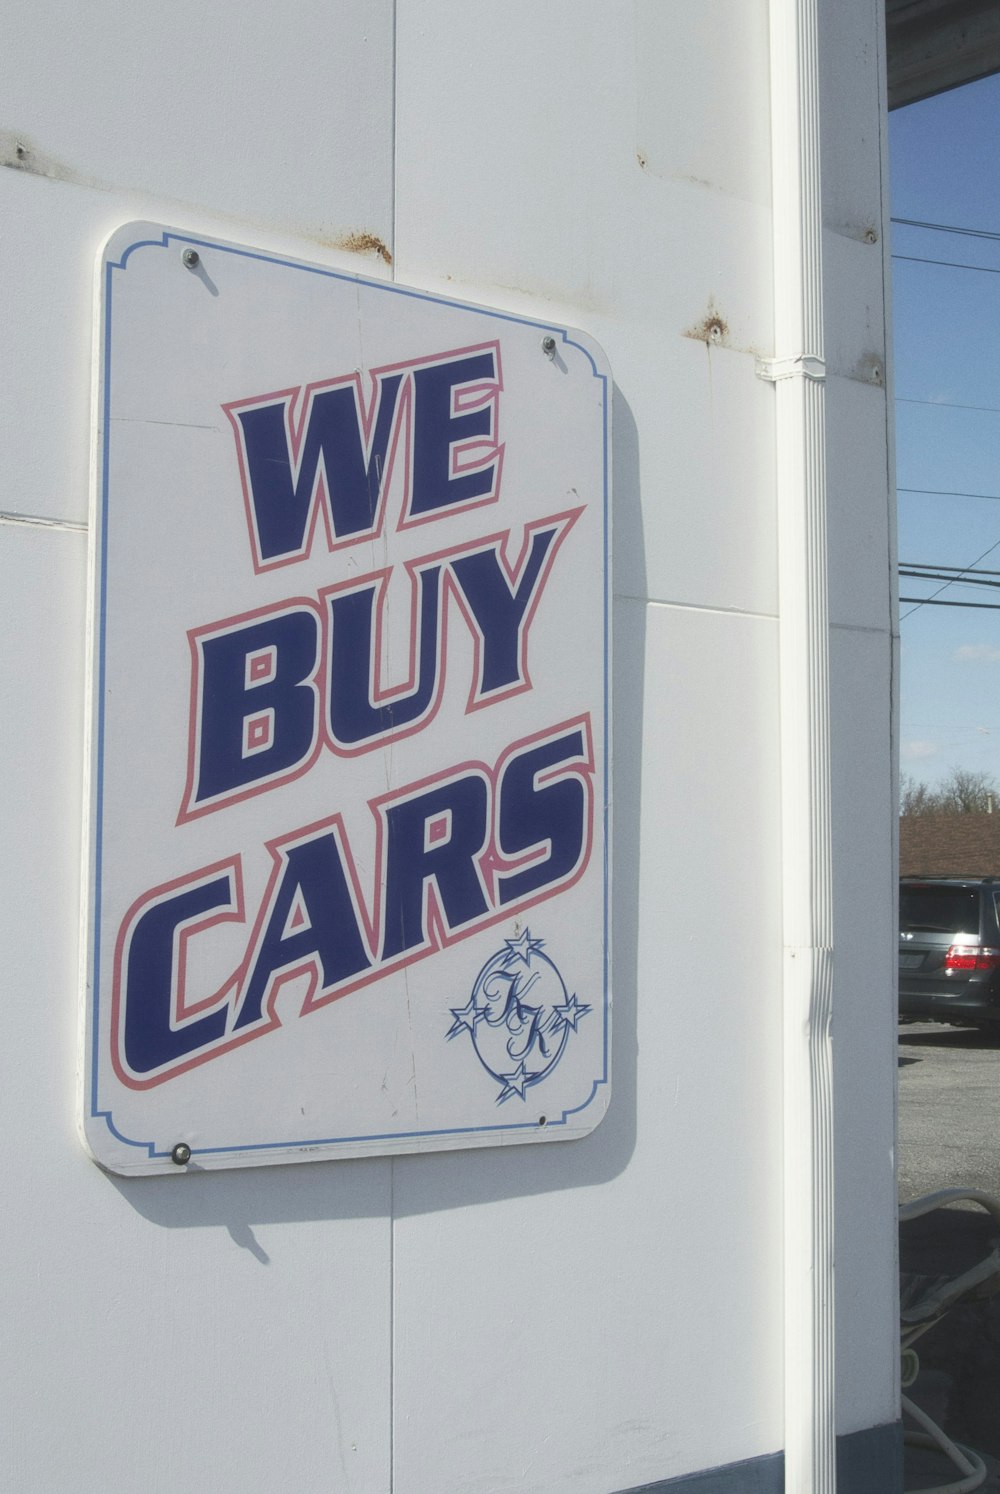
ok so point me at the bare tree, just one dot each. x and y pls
(915, 797)
(962, 792)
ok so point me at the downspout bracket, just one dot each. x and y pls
(804, 366)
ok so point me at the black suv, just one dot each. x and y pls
(949, 950)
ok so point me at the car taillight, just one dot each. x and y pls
(971, 957)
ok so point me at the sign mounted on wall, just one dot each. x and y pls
(349, 757)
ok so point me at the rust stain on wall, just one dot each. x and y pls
(713, 329)
(364, 243)
(18, 153)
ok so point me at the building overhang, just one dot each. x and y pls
(934, 45)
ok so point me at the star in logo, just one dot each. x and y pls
(466, 1017)
(515, 1083)
(522, 948)
(568, 1013)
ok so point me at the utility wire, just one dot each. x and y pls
(952, 264)
(972, 233)
(931, 600)
(924, 572)
(947, 404)
(960, 570)
(949, 493)
(949, 573)
(957, 580)
(936, 602)
(954, 228)
(975, 233)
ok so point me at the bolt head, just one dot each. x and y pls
(191, 258)
(181, 1154)
(549, 346)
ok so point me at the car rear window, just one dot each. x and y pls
(939, 910)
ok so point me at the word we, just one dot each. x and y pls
(329, 451)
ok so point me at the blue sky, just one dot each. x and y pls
(944, 157)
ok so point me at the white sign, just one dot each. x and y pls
(349, 758)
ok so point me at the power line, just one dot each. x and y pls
(972, 233)
(936, 602)
(952, 264)
(928, 565)
(931, 600)
(950, 575)
(946, 404)
(953, 578)
(949, 493)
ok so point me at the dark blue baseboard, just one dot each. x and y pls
(868, 1462)
(757, 1476)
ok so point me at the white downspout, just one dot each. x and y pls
(799, 372)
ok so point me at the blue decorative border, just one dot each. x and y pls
(168, 238)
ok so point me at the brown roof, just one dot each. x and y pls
(949, 845)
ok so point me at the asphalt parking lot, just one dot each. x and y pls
(949, 1136)
(949, 1109)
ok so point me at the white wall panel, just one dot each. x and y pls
(854, 307)
(861, 554)
(590, 162)
(852, 89)
(227, 119)
(707, 128)
(860, 551)
(594, 1317)
(865, 1027)
(190, 1333)
(274, 116)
